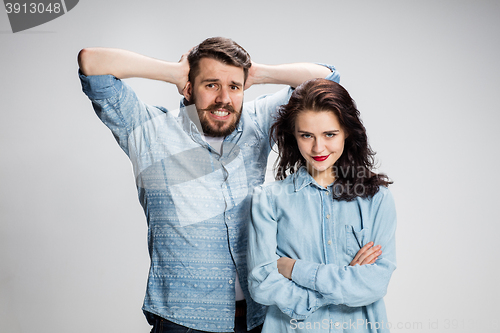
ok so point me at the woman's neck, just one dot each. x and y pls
(323, 178)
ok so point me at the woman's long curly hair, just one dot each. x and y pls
(353, 170)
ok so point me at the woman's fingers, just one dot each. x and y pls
(372, 257)
(368, 254)
(360, 252)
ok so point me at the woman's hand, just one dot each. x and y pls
(368, 254)
(285, 267)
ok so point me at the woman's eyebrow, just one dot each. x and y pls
(329, 131)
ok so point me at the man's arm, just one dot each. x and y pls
(266, 107)
(126, 64)
(288, 74)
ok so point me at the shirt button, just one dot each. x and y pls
(229, 217)
(230, 281)
(337, 324)
(329, 242)
(328, 216)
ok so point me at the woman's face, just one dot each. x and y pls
(320, 139)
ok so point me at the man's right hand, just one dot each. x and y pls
(368, 254)
(183, 73)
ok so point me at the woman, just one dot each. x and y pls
(327, 207)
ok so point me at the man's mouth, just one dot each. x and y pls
(320, 158)
(220, 113)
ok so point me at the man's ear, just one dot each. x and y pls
(188, 91)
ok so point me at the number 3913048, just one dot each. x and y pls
(32, 8)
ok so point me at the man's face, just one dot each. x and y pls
(217, 93)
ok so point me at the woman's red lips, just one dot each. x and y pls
(320, 158)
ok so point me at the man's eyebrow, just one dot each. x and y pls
(235, 83)
(210, 80)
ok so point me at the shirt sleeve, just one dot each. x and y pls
(117, 105)
(266, 107)
(356, 285)
(315, 285)
(266, 285)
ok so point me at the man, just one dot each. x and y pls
(195, 170)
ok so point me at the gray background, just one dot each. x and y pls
(425, 75)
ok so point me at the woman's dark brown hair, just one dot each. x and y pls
(353, 170)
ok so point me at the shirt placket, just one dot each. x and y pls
(328, 227)
(331, 250)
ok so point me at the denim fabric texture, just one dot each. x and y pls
(299, 219)
(196, 200)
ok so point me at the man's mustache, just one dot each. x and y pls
(216, 106)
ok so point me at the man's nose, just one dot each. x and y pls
(223, 96)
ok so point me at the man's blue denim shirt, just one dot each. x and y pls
(196, 200)
(298, 218)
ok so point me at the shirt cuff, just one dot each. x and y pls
(334, 75)
(304, 273)
(100, 86)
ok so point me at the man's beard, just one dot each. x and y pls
(214, 127)
(215, 130)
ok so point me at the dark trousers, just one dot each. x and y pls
(161, 325)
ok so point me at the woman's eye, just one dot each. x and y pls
(330, 135)
(306, 136)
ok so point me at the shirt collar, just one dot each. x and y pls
(302, 178)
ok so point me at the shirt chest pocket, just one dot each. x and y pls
(355, 239)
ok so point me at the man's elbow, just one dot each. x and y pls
(85, 57)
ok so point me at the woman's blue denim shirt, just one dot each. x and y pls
(299, 219)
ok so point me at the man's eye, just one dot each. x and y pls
(210, 85)
(235, 87)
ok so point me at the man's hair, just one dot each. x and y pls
(353, 170)
(221, 49)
